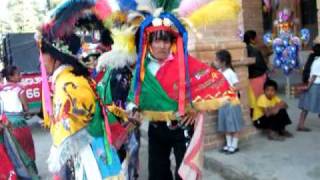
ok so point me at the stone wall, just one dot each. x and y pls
(206, 54)
(252, 16)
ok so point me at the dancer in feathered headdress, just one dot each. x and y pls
(171, 88)
(82, 144)
(168, 85)
(115, 85)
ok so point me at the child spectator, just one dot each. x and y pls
(20, 148)
(310, 99)
(270, 113)
(307, 67)
(230, 120)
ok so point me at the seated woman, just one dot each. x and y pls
(270, 113)
(17, 138)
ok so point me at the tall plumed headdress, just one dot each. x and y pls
(58, 32)
(63, 19)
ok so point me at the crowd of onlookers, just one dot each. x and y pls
(268, 110)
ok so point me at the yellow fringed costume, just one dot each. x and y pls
(73, 103)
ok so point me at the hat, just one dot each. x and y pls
(57, 35)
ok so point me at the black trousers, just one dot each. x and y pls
(162, 140)
(276, 122)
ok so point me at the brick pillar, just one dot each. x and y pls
(252, 16)
(224, 35)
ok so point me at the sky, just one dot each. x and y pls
(3, 7)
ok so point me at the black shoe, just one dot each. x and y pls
(224, 150)
(303, 129)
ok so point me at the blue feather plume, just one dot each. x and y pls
(71, 6)
(127, 5)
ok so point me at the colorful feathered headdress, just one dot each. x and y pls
(61, 24)
(63, 18)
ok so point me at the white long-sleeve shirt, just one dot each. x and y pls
(315, 70)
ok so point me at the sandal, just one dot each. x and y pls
(275, 137)
(303, 129)
(286, 133)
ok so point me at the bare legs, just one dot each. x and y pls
(303, 116)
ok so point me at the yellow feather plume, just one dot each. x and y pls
(124, 40)
(123, 50)
(215, 11)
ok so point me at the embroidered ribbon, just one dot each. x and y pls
(45, 88)
(182, 78)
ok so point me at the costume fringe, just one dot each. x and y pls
(159, 116)
(198, 104)
(214, 103)
(67, 149)
(114, 59)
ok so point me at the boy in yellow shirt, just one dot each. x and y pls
(270, 113)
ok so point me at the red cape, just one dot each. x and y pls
(205, 81)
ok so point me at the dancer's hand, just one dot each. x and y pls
(135, 116)
(189, 118)
(41, 122)
(3, 121)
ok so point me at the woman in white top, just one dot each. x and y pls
(230, 120)
(310, 99)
